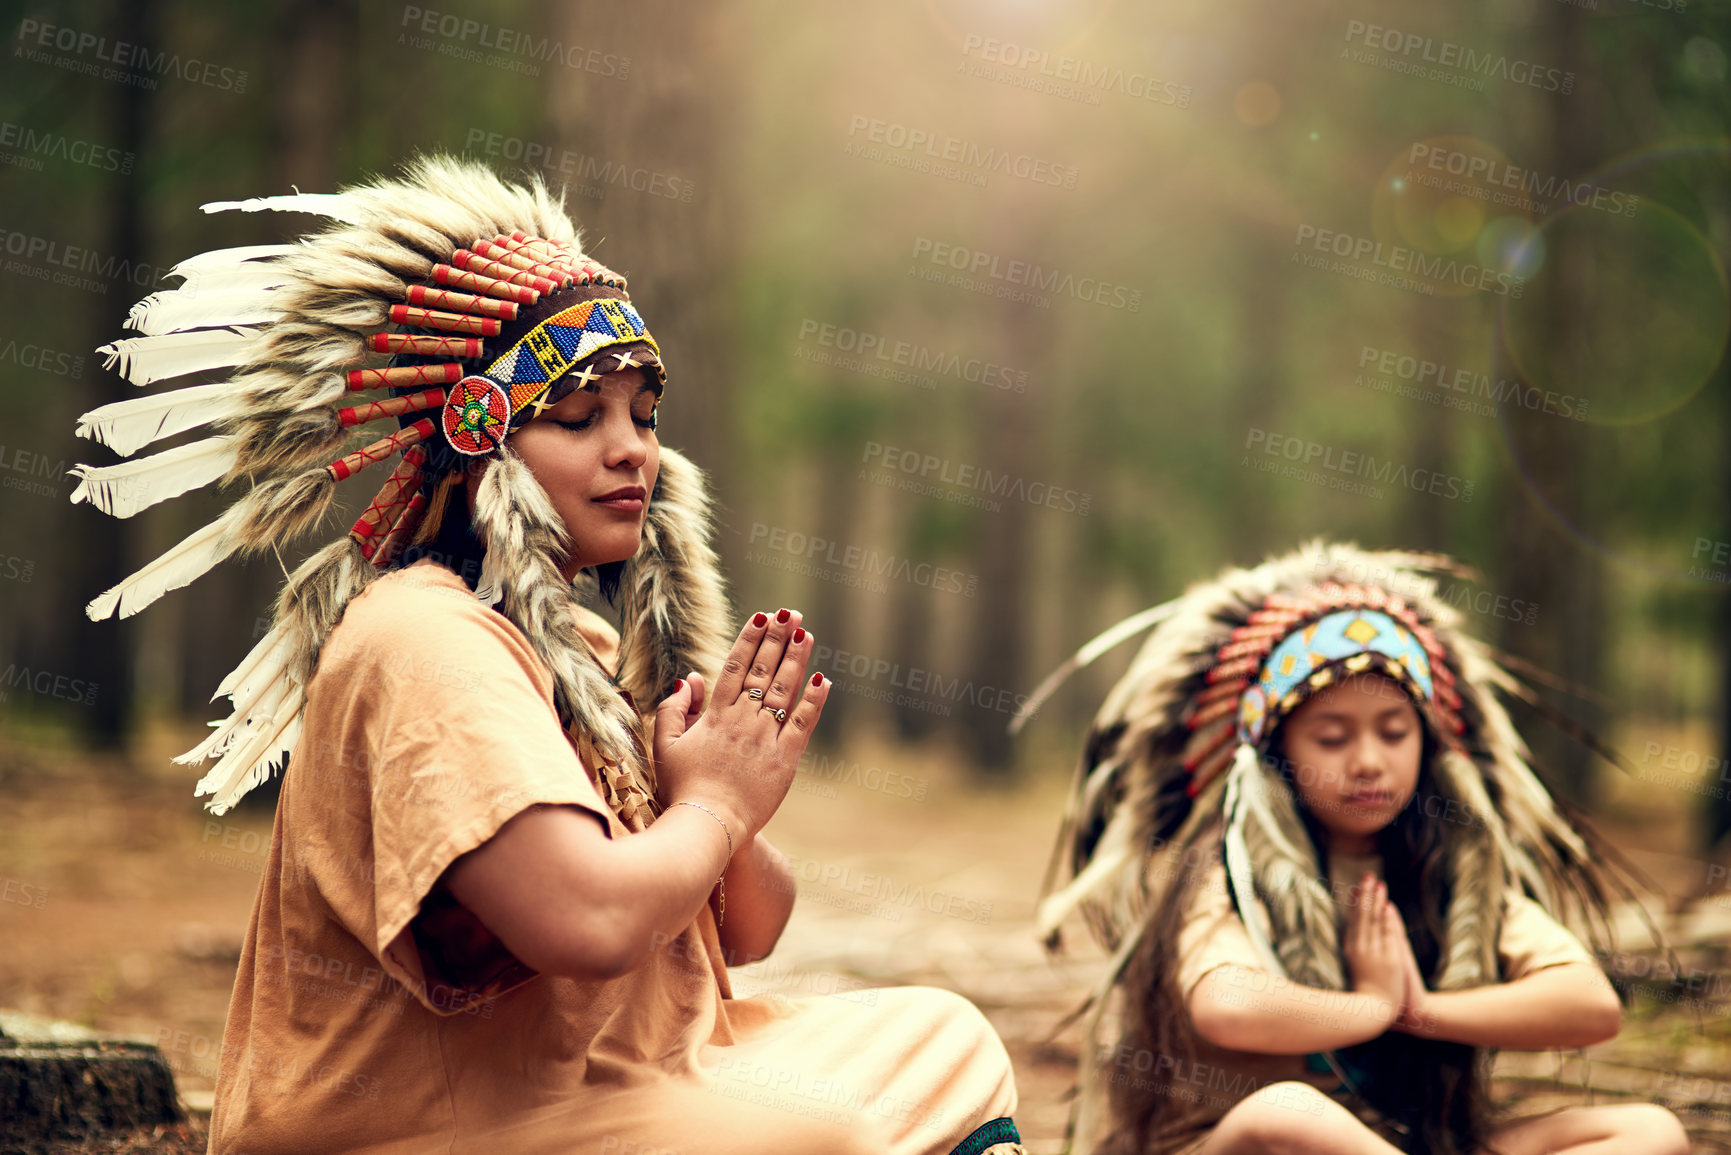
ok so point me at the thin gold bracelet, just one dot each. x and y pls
(720, 886)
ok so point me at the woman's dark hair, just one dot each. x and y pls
(607, 577)
(455, 546)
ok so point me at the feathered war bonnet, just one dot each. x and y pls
(1180, 761)
(469, 305)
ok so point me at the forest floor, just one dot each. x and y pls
(125, 905)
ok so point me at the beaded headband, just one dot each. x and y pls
(1295, 645)
(483, 407)
(1334, 647)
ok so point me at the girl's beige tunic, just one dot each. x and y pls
(1208, 1083)
(372, 1013)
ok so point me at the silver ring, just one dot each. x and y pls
(755, 694)
(780, 714)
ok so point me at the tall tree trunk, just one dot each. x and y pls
(829, 604)
(312, 71)
(103, 556)
(998, 655)
(1424, 516)
(997, 644)
(1540, 565)
(1263, 288)
(910, 641)
(1255, 396)
(1719, 812)
(676, 112)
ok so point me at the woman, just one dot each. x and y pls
(1345, 910)
(498, 913)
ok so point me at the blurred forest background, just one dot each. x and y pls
(1049, 301)
(796, 193)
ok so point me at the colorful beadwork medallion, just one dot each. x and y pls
(476, 415)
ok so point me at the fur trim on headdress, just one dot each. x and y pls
(673, 624)
(527, 541)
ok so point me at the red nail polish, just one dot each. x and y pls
(759, 620)
(678, 685)
(817, 679)
(782, 615)
(798, 636)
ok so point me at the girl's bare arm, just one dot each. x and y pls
(1245, 1009)
(1571, 1005)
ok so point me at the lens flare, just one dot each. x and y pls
(1437, 200)
(1627, 311)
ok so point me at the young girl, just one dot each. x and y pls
(1306, 828)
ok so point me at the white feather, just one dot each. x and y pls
(258, 694)
(261, 769)
(1084, 657)
(491, 586)
(246, 276)
(333, 205)
(128, 426)
(1241, 780)
(261, 664)
(247, 718)
(193, 557)
(222, 733)
(258, 686)
(1115, 850)
(122, 490)
(245, 765)
(176, 310)
(217, 258)
(146, 360)
(249, 733)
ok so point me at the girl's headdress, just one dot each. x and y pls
(467, 306)
(1181, 753)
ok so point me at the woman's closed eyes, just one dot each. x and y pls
(585, 422)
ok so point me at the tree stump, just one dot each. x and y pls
(60, 1082)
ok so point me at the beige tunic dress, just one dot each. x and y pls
(372, 1013)
(1205, 1085)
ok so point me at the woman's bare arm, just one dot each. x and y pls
(567, 899)
(759, 891)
